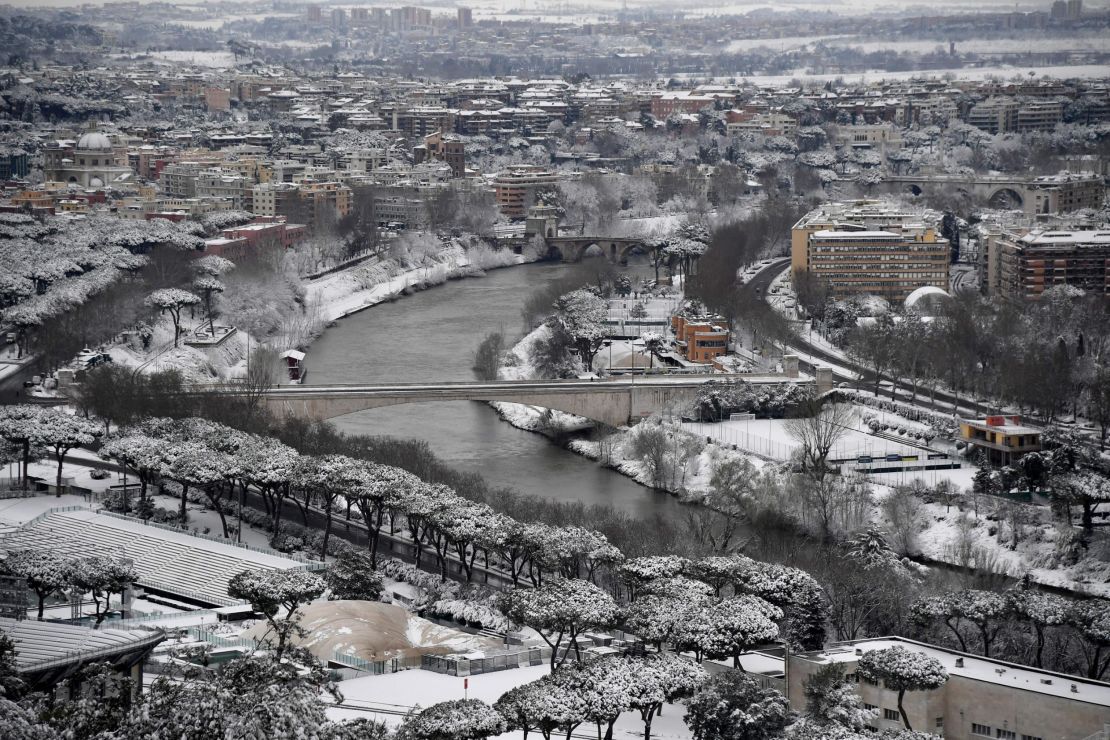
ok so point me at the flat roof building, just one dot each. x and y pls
(1029, 262)
(983, 698)
(870, 247)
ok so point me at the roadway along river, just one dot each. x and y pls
(431, 336)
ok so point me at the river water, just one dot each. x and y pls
(431, 336)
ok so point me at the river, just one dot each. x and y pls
(431, 336)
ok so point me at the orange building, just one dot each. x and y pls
(700, 338)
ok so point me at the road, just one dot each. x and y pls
(759, 285)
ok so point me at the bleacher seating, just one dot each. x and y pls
(175, 562)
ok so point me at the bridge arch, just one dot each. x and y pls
(1006, 198)
(573, 249)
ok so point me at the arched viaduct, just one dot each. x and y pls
(616, 249)
(614, 402)
(998, 192)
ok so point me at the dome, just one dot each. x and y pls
(94, 140)
(927, 300)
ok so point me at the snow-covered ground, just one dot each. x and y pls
(326, 299)
(394, 695)
(943, 538)
(370, 283)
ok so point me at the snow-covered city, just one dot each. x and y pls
(629, 370)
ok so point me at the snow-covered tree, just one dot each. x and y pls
(206, 280)
(902, 670)
(730, 628)
(719, 570)
(101, 576)
(661, 619)
(140, 454)
(351, 576)
(60, 432)
(259, 696)
(196, 465)
(985, 610)
(1090, 618)
(831, 700)
(1040, 609)
(561, 609)
(461, 719)
(271, 591)
(582, 315)
(795, 592)
(545, 705)
(271, 467)
(657, 679)
(602, 685)
(171, 301)
(638, 572)
(17, 428)
(731, 706)
(45, 572)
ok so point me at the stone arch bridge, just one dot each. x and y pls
(614, 402)
(615, 248)
(998, 192)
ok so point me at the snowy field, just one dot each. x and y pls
(769, 437)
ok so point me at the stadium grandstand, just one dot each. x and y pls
(169, 562)
(47, 652)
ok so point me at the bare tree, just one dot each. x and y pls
(817, 426)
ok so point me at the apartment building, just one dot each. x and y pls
(314, 204)
(994, 115)
(229, 186)
(870, 247)
(701, 339)
(983, 698)
(515, 188)
(1067, 191)
(878, 136)
(1040, 115)
(444, 148)
(679, 102)
(1030, 262)
(765, 124)
(179, 179)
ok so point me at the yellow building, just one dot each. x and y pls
(870, 247)
(1004, 438)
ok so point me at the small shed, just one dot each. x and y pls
(294, 365)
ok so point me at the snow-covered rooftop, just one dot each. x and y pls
(977, 668)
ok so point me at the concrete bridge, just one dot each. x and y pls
(997, 192)
(615, 248)
(615, 402)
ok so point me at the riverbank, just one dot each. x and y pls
(367, 284)
(326, 300)
(685, 467)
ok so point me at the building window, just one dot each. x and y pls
(1030, 737)
(869, 707)
(978, 729)
(891, 714)
(1006, 734)
(939, 724)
